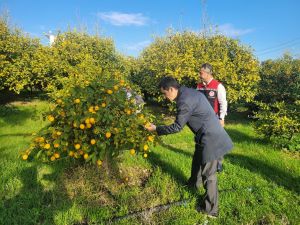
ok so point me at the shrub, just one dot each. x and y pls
(280, 122)
(92, 119)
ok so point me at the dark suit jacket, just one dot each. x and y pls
(194, 110)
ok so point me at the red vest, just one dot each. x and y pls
(211, 93)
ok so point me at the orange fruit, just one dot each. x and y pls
(103, 104)
(99, 162)
(81, 126)
(93, 141)
(56, 155)
(58, 101)
(108, 135)
(50, 118)
(92, 121)
(96, 108)
(132, 151)
(145, 155)
(52, 158)
(91, 109)
(150, 138)
(47, 146)
(77, 100)
(56, 145)
(71, 153)
(86, 156)
(58, 133)
(77, 146)
(87, 121)
(25, 157)
(146, 147)
(109, 91)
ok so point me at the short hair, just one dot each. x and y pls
(167, 82)
(207, 67)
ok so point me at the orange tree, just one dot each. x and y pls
(93, 119)
(180, 54)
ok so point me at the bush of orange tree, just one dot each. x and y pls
(93, 120)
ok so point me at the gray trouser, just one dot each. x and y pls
(205, 173)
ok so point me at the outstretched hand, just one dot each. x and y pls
(151, 127)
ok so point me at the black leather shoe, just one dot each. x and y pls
(212, 216)
(219, 167)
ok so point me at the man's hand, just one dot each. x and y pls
(222, 122)
(150, 127)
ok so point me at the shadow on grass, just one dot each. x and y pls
(173, 149)
(33, 204)
(16, 135)
(12, 115)
(169, 168)
(270, 173)
(240, 137)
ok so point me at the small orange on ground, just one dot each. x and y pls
(132, 151)
(25, 157)
(77, 146)
(47, 146)
(145, 155)
(52, 158)
(81, 126)
(99, 162)
(77, 100)
(86, 156)
(56, 155)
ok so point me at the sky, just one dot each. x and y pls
(270, 27)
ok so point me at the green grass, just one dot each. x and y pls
(259, 184)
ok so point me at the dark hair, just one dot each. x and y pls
(167, 82)
(208, 68)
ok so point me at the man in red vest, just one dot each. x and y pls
(215, 93)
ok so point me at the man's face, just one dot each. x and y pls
(170, 94)
(204, 75)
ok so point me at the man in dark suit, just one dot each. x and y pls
(212, 141)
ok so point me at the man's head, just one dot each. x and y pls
(169, 87)
(206, 72)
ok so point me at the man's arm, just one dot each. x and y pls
(223, 103)
(182, 117)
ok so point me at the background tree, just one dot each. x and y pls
(181, 55)
(278, 102)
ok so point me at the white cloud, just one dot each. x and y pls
(123, 19)
(229, 30)
(138, 46)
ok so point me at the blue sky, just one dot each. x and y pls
(270, 27)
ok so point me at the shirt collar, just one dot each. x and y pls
(208, 81)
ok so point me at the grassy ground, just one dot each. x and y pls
(259, 185)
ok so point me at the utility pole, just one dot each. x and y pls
(204, 18)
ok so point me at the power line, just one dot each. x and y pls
(282, 45)
(279, 48)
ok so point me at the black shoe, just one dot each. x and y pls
(190, 184)
(212, 216)
(219, 167)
